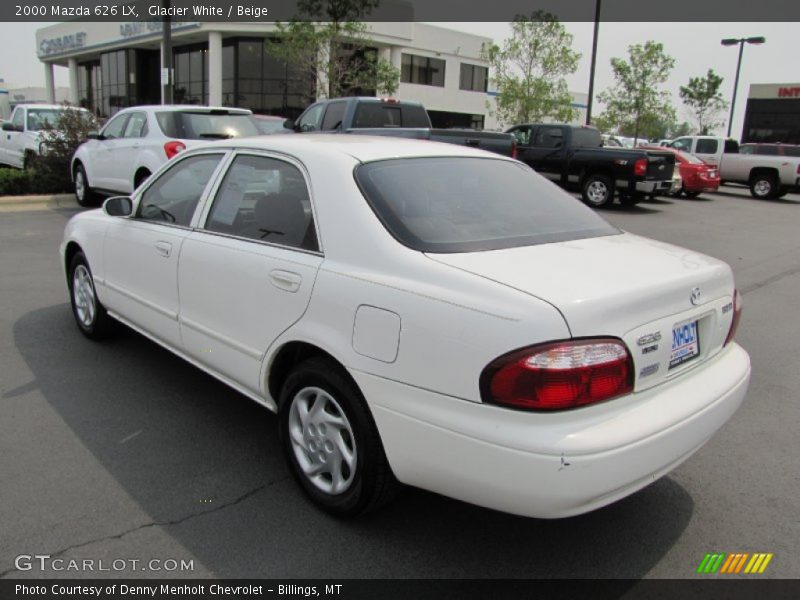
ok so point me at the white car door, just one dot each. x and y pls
(15, 140)
(104, 165)
(246, 274)
(141, 252)
(125, 152)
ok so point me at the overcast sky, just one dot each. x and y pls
(695, 47)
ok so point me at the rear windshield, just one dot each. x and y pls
(379, 114)
(198, 125)
(465, 204)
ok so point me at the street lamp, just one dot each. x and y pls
(741, 42)
(597, 8)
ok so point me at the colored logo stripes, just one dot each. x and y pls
(737, 562)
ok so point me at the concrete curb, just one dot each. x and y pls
(35, 198)
(38, 202)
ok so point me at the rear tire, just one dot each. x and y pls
(764, 187)
(90, 315)
(597, 190)
(330, 441)
(84, 195)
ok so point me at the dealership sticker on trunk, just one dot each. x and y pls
(685, 344)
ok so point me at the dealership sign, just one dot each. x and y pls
(789, 92)
(64, 43)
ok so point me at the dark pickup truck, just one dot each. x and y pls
(573, 157)
(397, 118)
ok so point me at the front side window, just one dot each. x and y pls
(18, 120)
(684, 144)
(309, 121)
(173, 197)
(522, 135)
(264, 199)
(115, 127)
(466, 204)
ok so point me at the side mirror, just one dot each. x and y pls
(289, 124)
(118, 206)
(95, 135)
(9, 126)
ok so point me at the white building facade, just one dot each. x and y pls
(114, 65)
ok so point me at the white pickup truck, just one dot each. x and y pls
(22, 134)
(767, 176)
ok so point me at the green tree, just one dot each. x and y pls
(329, 42)
(704, 100)
(529, 70)
(636, 103)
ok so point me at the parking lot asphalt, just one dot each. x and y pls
(119, 450)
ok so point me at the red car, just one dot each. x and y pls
(697, 176)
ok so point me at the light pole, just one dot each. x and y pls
(741, 42)
(594, 60)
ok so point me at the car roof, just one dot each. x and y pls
(363, 148)
(185, 108)
(49, 106)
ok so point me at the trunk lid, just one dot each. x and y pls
(624, 286)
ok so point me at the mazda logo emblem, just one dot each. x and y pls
(695, 296)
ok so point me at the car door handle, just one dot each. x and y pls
(285, 280)
(164, 249)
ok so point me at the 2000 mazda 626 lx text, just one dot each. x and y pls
(420, 313)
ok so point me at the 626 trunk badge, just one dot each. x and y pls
(648, 338)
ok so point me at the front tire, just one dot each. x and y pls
(330, 441)
(764, 187)
(84, 194)
(597, 190)
(90, 315)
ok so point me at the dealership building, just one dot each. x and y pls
(114, 65)
(772, 113)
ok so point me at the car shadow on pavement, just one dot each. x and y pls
(794, 199)
(636, 209)
(204, 463)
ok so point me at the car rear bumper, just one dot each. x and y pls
(559, 464)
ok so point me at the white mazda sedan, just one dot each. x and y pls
(420, 313)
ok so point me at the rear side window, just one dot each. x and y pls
(791, 150)
(199, 125)
(706, 147)
(586, 137)
(767, 150)
(465, 204)
(379, 114)
(264, 199)
(173, 197)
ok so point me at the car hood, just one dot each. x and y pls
(621, 285)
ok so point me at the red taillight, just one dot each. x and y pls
(640, 167)
(514, 153)
(172, 148)
(559, 375)
(737, 316)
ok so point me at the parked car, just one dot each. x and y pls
(770, 149)
(423, 313)
(269, 124)
(696, 175)
(21, 140)
(396, 118)
(767, 176)
(136, 141)
(573, 157)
